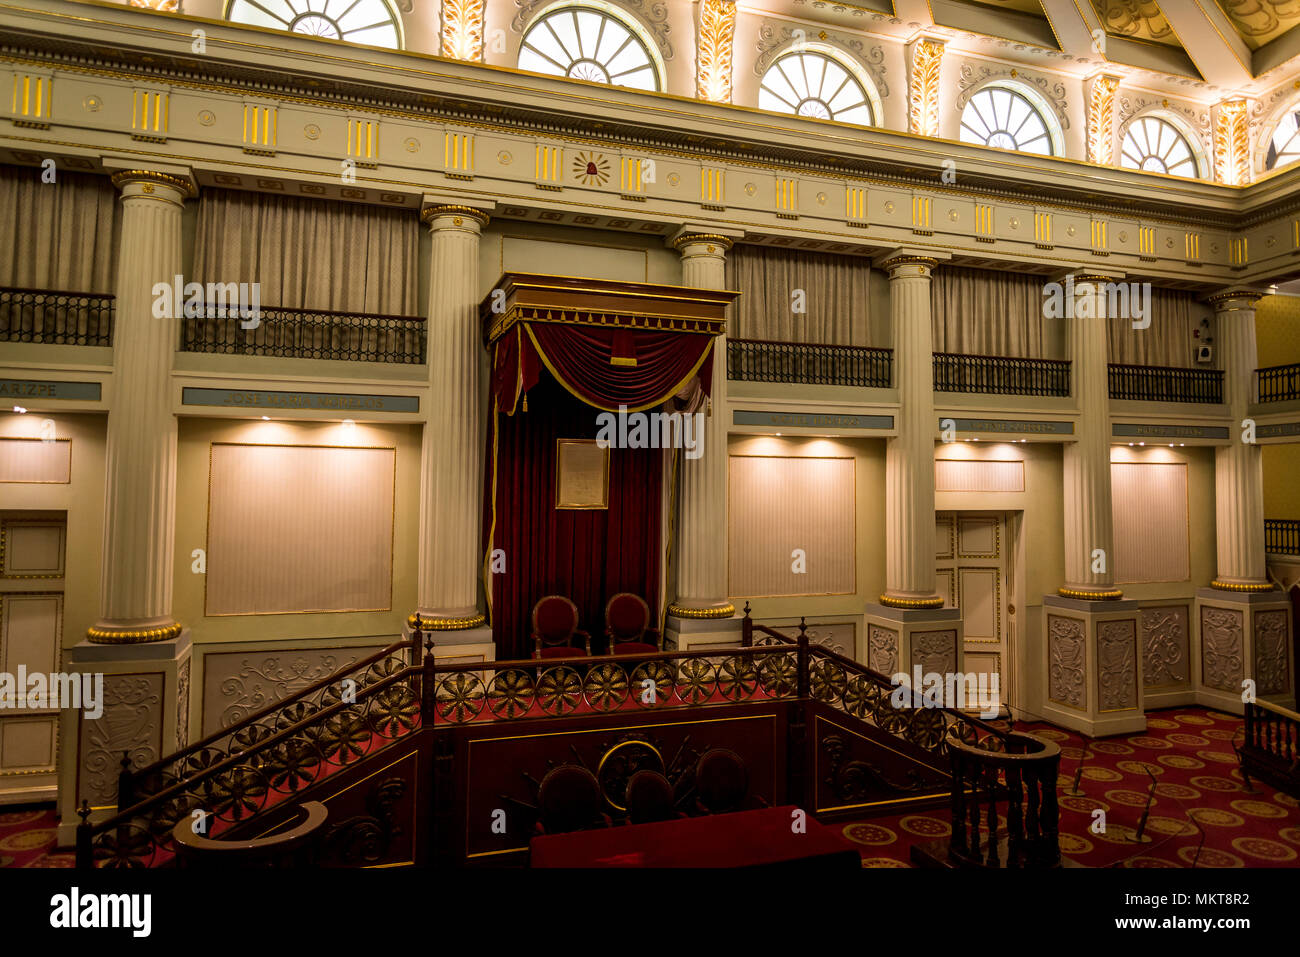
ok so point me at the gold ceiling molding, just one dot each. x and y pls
(1101, 119)
(923, 87)
(163, 6)
(713, 52)
(462, 29)
(1232, 143)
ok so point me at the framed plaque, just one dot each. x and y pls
(581, 474)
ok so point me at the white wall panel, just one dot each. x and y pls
(44, 461)
(1149, 503)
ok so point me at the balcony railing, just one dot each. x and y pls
(1166, 384)
(308, 334)
(56, 318)
(761, 360)
(1000, 375)
(1278, 383)
(1282, 536)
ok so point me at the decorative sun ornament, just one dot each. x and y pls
(591, 169)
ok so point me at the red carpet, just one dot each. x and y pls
(1189, 750)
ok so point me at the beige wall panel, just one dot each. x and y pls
(31, 633)
(780, 504)
(1151, 521)
(978, 537)
(972, 475)
(35, 460)
(27, 743)
(298, 528)
(33, 549)
(572, 258)
(980, 596)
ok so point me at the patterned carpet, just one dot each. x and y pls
(1189, 751)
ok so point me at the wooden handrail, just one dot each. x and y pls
(196, 850)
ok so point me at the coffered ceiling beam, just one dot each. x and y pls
(1211, 41)
(1077, 27)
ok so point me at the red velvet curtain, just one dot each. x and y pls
(605, 366)
(586, 555)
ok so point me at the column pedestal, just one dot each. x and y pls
(683, 634)
(900, 639)
(145, 713)
(1240, 636)
(1092, 669)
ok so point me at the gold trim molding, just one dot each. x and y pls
(925, 261)
(429, 213)
(114, 636)
(463, 623)
(122, 177)
(690, 238)
(891, 602)
(1228, 295)
(1242, 587)
(724, 611)
(1084, 594)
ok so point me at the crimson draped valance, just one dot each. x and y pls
(609, 344)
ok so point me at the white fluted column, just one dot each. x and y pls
(451, 451)
(1089, 532)
(702, 532)
(140, 479)
(909, 457)
(1238, 467)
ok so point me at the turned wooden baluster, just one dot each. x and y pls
(957, 843)
(1050, 817)
(1015, 824)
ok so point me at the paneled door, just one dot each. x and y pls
(31, 626)
(973, 558)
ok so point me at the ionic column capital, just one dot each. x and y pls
(908, 266)
(147, 181)
(715, 243)
(1234, 300)
(453, 216)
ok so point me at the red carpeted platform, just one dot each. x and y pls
(1199, 790)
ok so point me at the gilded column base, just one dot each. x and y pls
(716, 611)
(133, 636)
(440, 623)
(891, 601)
(1247, 587)
(1091, 594)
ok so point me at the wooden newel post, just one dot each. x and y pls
(125, 784)
(428, 685)
(85, 852)
(417, 651)
(747, 630)
(802, 662)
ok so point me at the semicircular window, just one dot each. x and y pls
(814, 84)
(357, 21)
(1284, 148)
(587, 43)
(1156, 146)
(1004, 118)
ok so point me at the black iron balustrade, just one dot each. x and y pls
(1166, 384)
(807, 363)
(56, 318)
(307, 334)
(1001, 375)
(1278, 383)
(1282, 536)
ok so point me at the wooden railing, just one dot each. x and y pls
(297, 847)
(1166, 384)
(1000, 375)
(307, 334)
(1271, 750)
(56, 318)
(1278, 383)
(806, 363)
(1023, 778)
(1282, 536)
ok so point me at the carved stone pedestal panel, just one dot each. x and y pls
(901, 640)
(683, 634)
(1092, 672)
(145, 714)
(1241, 636)
(1165, 629)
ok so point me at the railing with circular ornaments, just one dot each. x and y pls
(305, 334)
(53, 317)
(1278, 383)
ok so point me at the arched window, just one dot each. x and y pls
(1284, 148)
(1157, 146)
(358, 21)
(590, 42)
(1006, 118)
(811, 82)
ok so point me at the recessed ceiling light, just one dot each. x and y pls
(266, 418)
(19, 409)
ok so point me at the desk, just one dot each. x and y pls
(761, 838)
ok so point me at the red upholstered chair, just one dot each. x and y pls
(627, 625)
(650, 798)
(721, 781)
(555, 629)
(569, 799)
